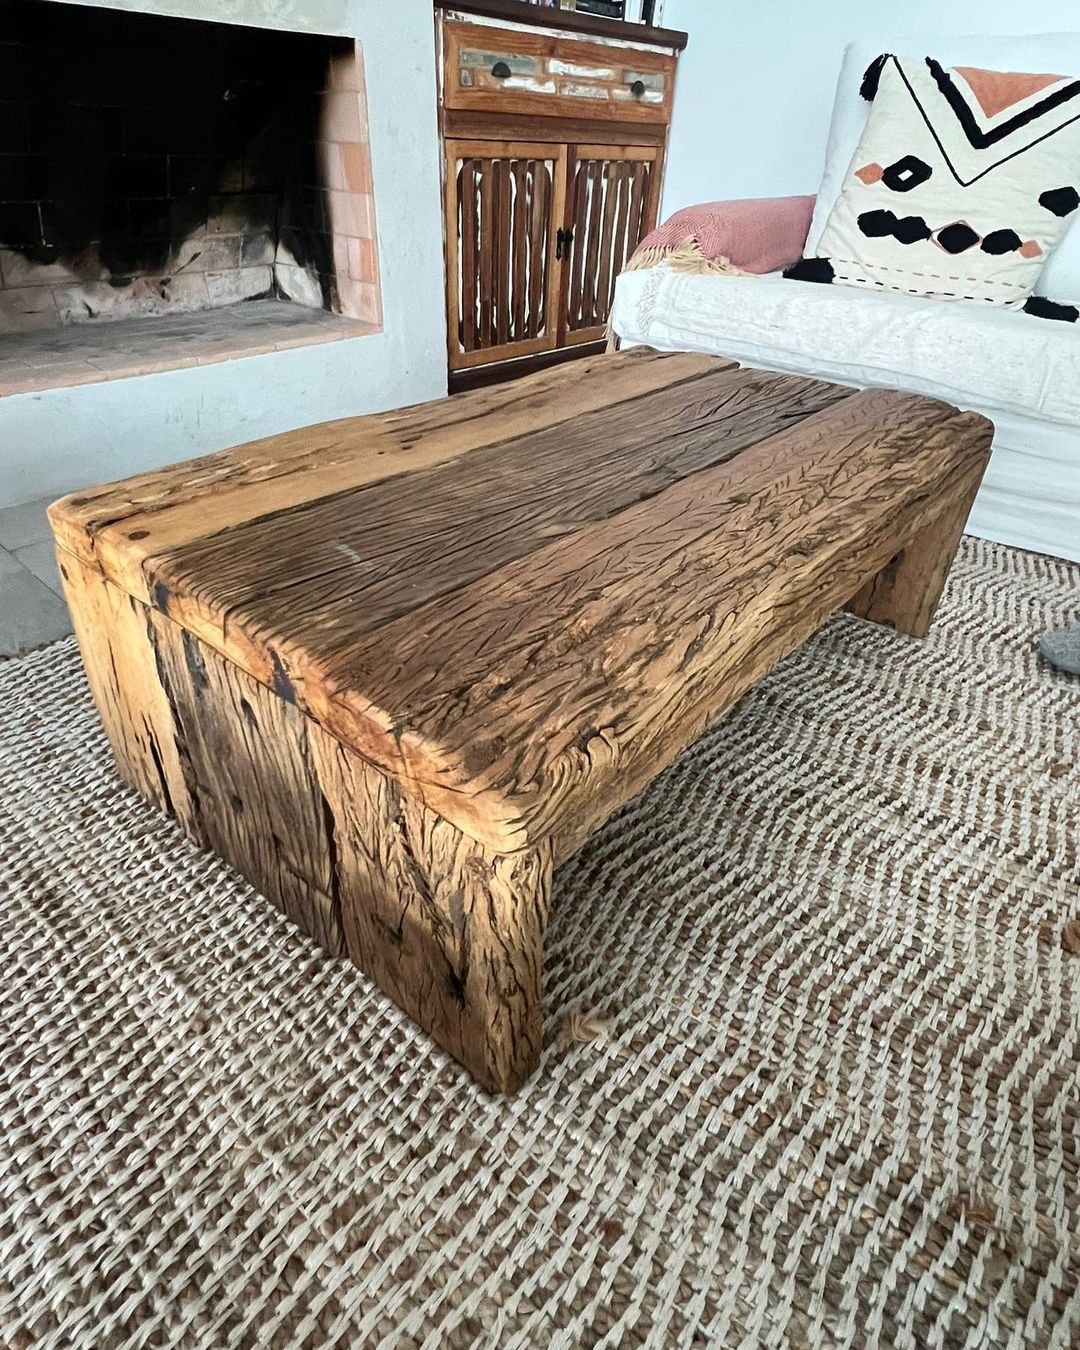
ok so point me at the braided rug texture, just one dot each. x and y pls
(813, 1040)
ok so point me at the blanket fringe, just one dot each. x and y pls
(684, 257)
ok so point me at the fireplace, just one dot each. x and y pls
(174, 191)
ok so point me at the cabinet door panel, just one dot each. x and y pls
(503, 204)
(612, 202)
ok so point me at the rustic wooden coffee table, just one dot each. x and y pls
(395, 669)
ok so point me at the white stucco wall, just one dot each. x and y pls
(63, 439)
(756, 82)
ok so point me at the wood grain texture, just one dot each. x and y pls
(500, 229)
(524, 630)
(603, 112)
(209, 745)
(905, 593)
(451, 931)
(562, 130)
(113, 632)
(539, 219)
(359, 561)
(120, 526)
(503, 372)
(247, 760)
(395, 684)
(612, 209)
(568, 19)
(524, 704)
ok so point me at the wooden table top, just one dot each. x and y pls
(521, 601)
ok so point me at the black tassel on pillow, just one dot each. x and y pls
(869, 85)
(811, 269)
(1050, 309)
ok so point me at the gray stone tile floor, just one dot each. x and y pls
(32, 608)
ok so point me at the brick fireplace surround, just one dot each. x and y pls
(161, 214)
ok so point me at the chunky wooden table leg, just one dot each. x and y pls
(905, 593)
(113, 632)
(450, 930)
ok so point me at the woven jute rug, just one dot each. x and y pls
(812, 1071)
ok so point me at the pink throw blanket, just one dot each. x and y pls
(750, 236)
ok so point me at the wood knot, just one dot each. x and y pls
(481, 754)
(479, 868)
(280, 682)
(1070, 937)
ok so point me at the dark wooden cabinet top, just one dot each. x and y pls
(568, 20)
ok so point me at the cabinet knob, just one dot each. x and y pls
(501, 70)
(637, 88)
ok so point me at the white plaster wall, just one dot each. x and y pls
(63, 439)
(755, 85)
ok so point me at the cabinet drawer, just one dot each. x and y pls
(501, 70)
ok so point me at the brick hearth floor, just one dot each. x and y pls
(85, 353)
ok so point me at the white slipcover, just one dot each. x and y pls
(1020, 371)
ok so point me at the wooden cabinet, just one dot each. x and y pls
(554, 147)
(536, 235)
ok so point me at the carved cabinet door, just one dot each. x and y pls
(612, 202)
(504, 207)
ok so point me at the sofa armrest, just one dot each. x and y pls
(747, 235)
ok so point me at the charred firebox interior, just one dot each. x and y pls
(156, 168)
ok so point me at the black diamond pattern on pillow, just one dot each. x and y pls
(906, 173)
(911, 229)
(877, 224)
(957, 238)
(906, 229)
(1061, 200)
(1001, 241)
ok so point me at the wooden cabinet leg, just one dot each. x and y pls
(905, 593)
(452, 932)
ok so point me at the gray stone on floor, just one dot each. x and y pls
(30, 613)
(1061, 647)
(25, 524)
(41, 560)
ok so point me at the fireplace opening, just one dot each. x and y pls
(159, 168)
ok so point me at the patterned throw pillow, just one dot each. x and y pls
(962, 185)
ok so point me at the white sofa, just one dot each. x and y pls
(1023, 372)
